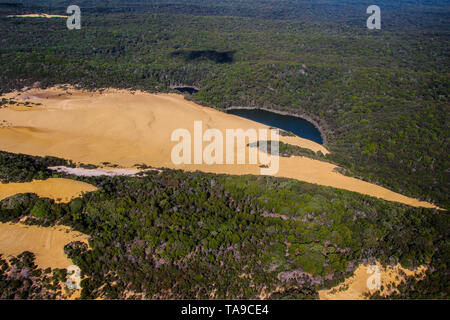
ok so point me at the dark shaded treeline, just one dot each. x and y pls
(211, 55)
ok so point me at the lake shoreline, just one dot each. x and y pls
(287, 113)
(323, 128)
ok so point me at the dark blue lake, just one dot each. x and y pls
(297, 126)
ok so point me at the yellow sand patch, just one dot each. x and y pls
(37, 15)
(22, 107)
(128, 128)
(354, 287)
(47, 243)
(58, 189)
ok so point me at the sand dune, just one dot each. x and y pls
(47, 243)
(354, 287)
(60, 190)
(128, 128)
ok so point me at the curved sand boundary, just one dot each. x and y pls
(128, 128)
(58, 189)
(355, 287)
(47, 243)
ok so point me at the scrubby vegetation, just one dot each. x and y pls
(196, 235)
(288, 150)
(22, 168)
(20, 278)
(381, 97)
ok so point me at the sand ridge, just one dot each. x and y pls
(129, 128)
(58, 189)
(36, 15)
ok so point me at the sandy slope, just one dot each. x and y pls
(47, 243)
(354, 287)
(128, 128)
(60, 190)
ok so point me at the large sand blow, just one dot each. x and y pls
(128, 128)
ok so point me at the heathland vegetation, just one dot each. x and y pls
(174, 234)
(381, 98)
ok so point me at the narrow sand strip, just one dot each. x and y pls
(47, 243)
(129, 128)
(58, 189)
(36, 15)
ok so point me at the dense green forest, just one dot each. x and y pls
(380, 97)
(186, 235)
(400, 13)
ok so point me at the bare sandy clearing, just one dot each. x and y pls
(47, 243)
(110, 172)
(36, 15)
(127, 128)
(354, 287)
(60, 190)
